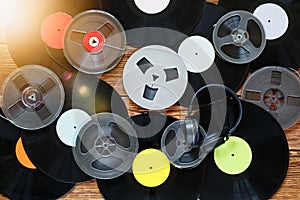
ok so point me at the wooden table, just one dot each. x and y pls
(289, 190)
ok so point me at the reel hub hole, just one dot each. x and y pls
(32, 97)
(274, 98)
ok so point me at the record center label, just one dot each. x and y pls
(151, 168)
(198, 53)
(274, 19)
(69, 124)
(54, 28)
(234, 156)
(22, 156)
(153, 6)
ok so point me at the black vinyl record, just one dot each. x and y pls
(19, 182)
(211, 14)
(233, 75)
(179, 15)
(268, 167)
(283, 51)
(181, 183)
(44, 147)
(23, 34)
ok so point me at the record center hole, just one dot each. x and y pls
(75, 127)
(58, 29)
(232, 155)
(269, 21)
(196, 54)
(150, 168)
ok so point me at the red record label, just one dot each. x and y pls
(54, 28)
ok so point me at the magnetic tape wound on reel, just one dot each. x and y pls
(239, 37)
(277, 15)
(275, 89)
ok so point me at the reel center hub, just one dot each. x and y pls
(106, 145)
(274, 98)
(240, 37)
(32, 97)
(94, 41)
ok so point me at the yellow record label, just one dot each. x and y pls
(151, 168)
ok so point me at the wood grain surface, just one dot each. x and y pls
(290, 189)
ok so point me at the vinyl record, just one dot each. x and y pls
(232, 75)
(245, 167)
(51, 155)
(23, 34)
(17, 180)
(180, 184)
(275, 89)
(283, 51)
(178, 15)
(221, 72)
(211, 14)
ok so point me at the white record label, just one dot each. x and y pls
(152, 6)
(198, 54)
(274, 19)
(69, 124)
(155, 77)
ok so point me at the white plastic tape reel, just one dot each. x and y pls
(155, 77)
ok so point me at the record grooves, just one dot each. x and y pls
(233, 75)
(283, 51)
(270, 160)
(44, 147)
(19, 182)
(181, 184)
(179, 15)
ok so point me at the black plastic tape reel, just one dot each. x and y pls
(95, 42)
(106, 146)
(239, 37)
(275, 89)
(33, 97)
